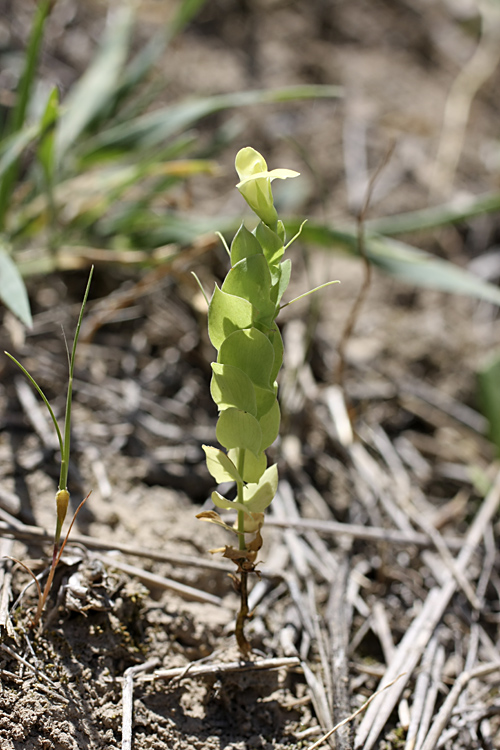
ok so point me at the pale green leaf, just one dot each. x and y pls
(231, 387)
(244, 245)
(285, 271)
(227, 314)
(251, 351)
(277, 344)
(220, 502)
(238, 429)
(272, 244)
(265, 398)
(257, 497)
(270, 426)
(220, 465)
(253, 466)
(251, 280)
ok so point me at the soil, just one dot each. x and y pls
(335, 604)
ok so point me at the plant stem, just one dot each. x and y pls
(243, 644)
(56, 556)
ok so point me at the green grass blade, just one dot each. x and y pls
(489, 396)
(17, 119)
(185, 13)
(98, 85)
(402, 261)
(457, 210)
(12, 289)
(155, 127)
(13, 147)
(45, 151)
(18, 116)
(145, 59)
(65, 453)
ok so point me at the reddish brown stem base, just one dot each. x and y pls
(243, 644)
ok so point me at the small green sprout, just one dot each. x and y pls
(62, 494)
(242, 327)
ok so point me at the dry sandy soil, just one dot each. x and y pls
(373, 579)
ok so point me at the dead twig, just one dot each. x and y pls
(5, 581)
(128, 699)
(200, 670)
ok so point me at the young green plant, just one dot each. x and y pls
(62, 494)
(242, 328)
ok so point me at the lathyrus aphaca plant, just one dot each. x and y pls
(242, 327)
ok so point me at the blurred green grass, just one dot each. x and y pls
(92, 175)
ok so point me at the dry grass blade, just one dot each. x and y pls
(421, 693)
(36, 534)
(345, 721)
(161, 582)
(339, 618)
(418, 635)
(431, 741)
(366, 533)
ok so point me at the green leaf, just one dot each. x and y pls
(231, 387)
(220, 502)
(12, 290)
(277, 344)
(265, 399)
(285, 271)
(253, 466)
(220, 465)
(251, 351)
(251, 280)
(93, 91)
(272, 245)
(257, 497)
(244, 245)
(489, 396)
(237, 429)
(270, 426)
(227, 314)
